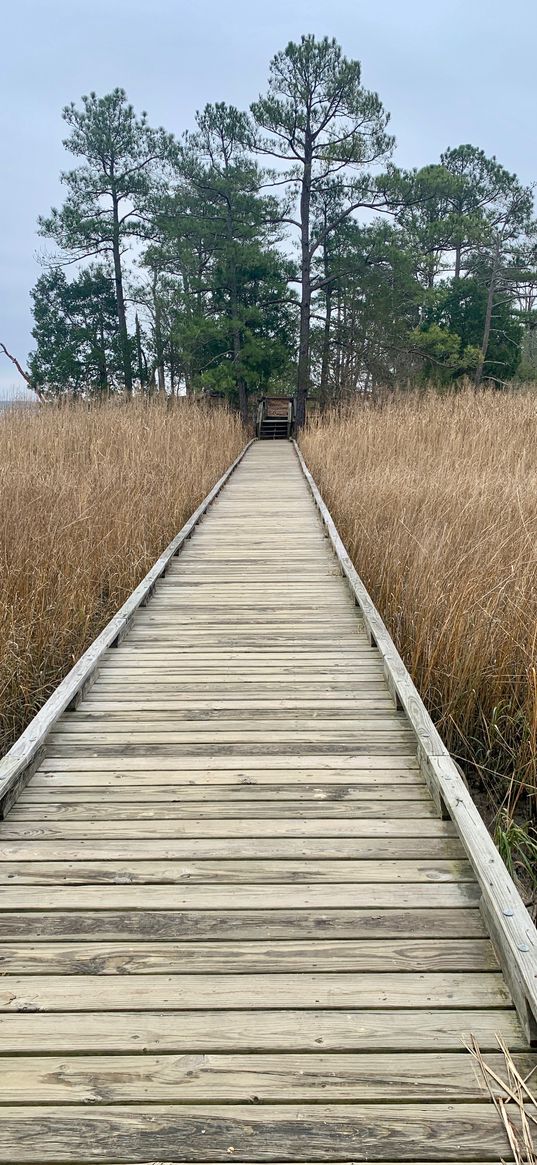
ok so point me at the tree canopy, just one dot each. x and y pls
(280, 249)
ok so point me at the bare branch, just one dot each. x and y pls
(25, 375)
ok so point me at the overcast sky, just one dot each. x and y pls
(460, 71)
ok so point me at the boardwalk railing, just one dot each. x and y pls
(17, 766)
(506, 918)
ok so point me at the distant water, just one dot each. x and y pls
(16, 402)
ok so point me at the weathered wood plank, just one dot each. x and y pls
(319, 849)
(423, 1132)
(81, 724)
(175, 1162)
(221, 688)
(79, 873)
(188, 992)
(416, 805)
(153, 753)
(288, 1030)
(248, 764)
(145, 737)
(136, 958)
(371, 849)
(302, 896)
(237, 709)
(224, 774)
(251, 828)
(380, 787)
(237, 1078)
(39, 925)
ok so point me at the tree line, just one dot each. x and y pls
(279, 249)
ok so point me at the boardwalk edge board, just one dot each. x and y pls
(19, 763)
(508, 922)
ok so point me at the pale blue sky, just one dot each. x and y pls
(459, 71)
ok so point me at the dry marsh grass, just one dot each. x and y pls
(436, 500)
(89, 496)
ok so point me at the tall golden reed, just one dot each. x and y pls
(89, 496)
(436, 500)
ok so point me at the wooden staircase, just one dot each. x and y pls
(275, 417)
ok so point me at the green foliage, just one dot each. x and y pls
(461, 309)
(445, 356)
(517, 843)
(109, 190)
(108, 193)
(315, 100)
(75, 329)
(233, 315)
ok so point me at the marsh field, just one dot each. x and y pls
(89, 497)
(435, 497)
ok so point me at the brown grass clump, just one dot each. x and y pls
(89, 497)
(514, 1101)
(436, 500)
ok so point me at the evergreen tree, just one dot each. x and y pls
(219, 233)
(317, 117)
(108, 192)
(75, 328)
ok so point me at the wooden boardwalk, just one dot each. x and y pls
(233, 925)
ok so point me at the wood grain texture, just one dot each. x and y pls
(246, 763)
(282, 1030)
(414, 806)
(380, 786)
(303, 896)
(239, 1078)
(248, 872)
(411, 826)
(187, 992)
(371, 849)
(276, 955)
(38, 925)
(261, 1132)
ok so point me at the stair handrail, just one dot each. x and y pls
(260, 416)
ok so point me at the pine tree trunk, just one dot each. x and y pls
(172, 367)
(303, 383)
(239, 379)
(139, 354)
(488, 318)
(103, 370)
(457, 274)
(325, 364)
(242, 390)
(159, 346)
(120, 301)
(243, 401)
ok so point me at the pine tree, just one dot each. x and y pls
(108, 192)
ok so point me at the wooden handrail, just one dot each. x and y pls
(508, 922)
